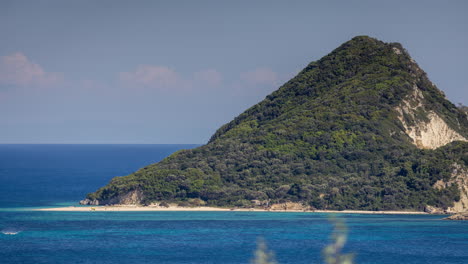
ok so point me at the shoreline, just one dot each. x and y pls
(208, 209)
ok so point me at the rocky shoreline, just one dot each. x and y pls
(460, 216)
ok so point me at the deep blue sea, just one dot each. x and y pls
(34, 176)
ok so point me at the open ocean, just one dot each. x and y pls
(33, 176)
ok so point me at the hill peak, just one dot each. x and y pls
(364, 41)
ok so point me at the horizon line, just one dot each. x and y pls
(102, 144)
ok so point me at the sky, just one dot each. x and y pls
(157, 72)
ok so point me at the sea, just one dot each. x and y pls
(40, 176)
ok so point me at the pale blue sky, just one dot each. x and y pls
(174, 71)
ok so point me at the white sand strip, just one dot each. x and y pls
(204, 208)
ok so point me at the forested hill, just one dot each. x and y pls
(361, 128)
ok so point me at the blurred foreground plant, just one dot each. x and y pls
(262, 254)
(331, 253)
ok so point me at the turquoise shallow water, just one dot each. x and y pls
(32, 176)
(223, 237)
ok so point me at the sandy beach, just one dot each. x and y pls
(206, 209)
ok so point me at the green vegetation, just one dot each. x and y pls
(329, 138)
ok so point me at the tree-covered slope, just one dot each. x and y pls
(339, 135)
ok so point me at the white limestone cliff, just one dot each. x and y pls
(431, 133)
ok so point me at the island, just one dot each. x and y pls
(362, 128)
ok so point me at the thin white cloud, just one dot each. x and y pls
(166, 79)
(17, 70)
(260, 76)
(257, 83)
(159, 77)
(211, 77)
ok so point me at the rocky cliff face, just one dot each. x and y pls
(425, 127)
(133, 197)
